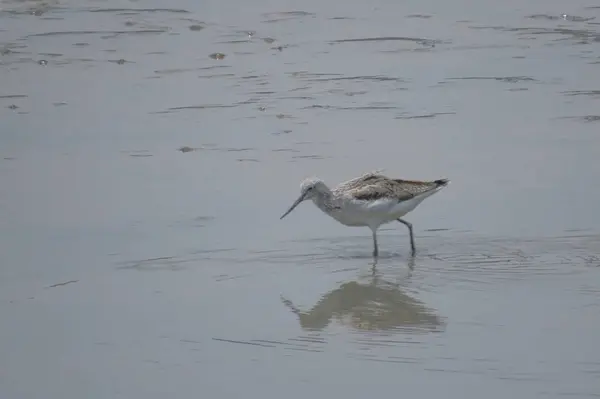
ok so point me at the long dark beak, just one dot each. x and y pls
(295, 204)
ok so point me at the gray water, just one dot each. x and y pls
(142, 176)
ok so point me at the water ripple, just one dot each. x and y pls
(140, 10)
(506, 79)
(419, 40)
(100, 32)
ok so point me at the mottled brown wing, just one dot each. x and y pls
(382, 189)
(360, 181)
(414, 187)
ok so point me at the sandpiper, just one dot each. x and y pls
(370, 200)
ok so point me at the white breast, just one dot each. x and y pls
(374, 213)
(352, 212)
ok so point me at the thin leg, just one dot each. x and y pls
(410, 230)
(374, 266)
(375, 249)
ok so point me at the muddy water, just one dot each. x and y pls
(148, 149)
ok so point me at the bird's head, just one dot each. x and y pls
(309, 189)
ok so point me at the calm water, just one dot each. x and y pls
(130, 268)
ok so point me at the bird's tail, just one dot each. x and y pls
(442, 182)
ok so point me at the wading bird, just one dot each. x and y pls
(370, 200)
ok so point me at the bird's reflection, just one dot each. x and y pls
(369, 304)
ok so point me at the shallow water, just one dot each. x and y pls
(148, 149)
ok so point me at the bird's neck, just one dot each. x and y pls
(325, 201)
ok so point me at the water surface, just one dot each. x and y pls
(148, 149)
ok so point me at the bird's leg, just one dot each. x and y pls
(375, 249)
(374, 266)
(410, 230)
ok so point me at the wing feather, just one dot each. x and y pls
(359, 181)
(379, 187)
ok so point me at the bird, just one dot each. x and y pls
(370, 200)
